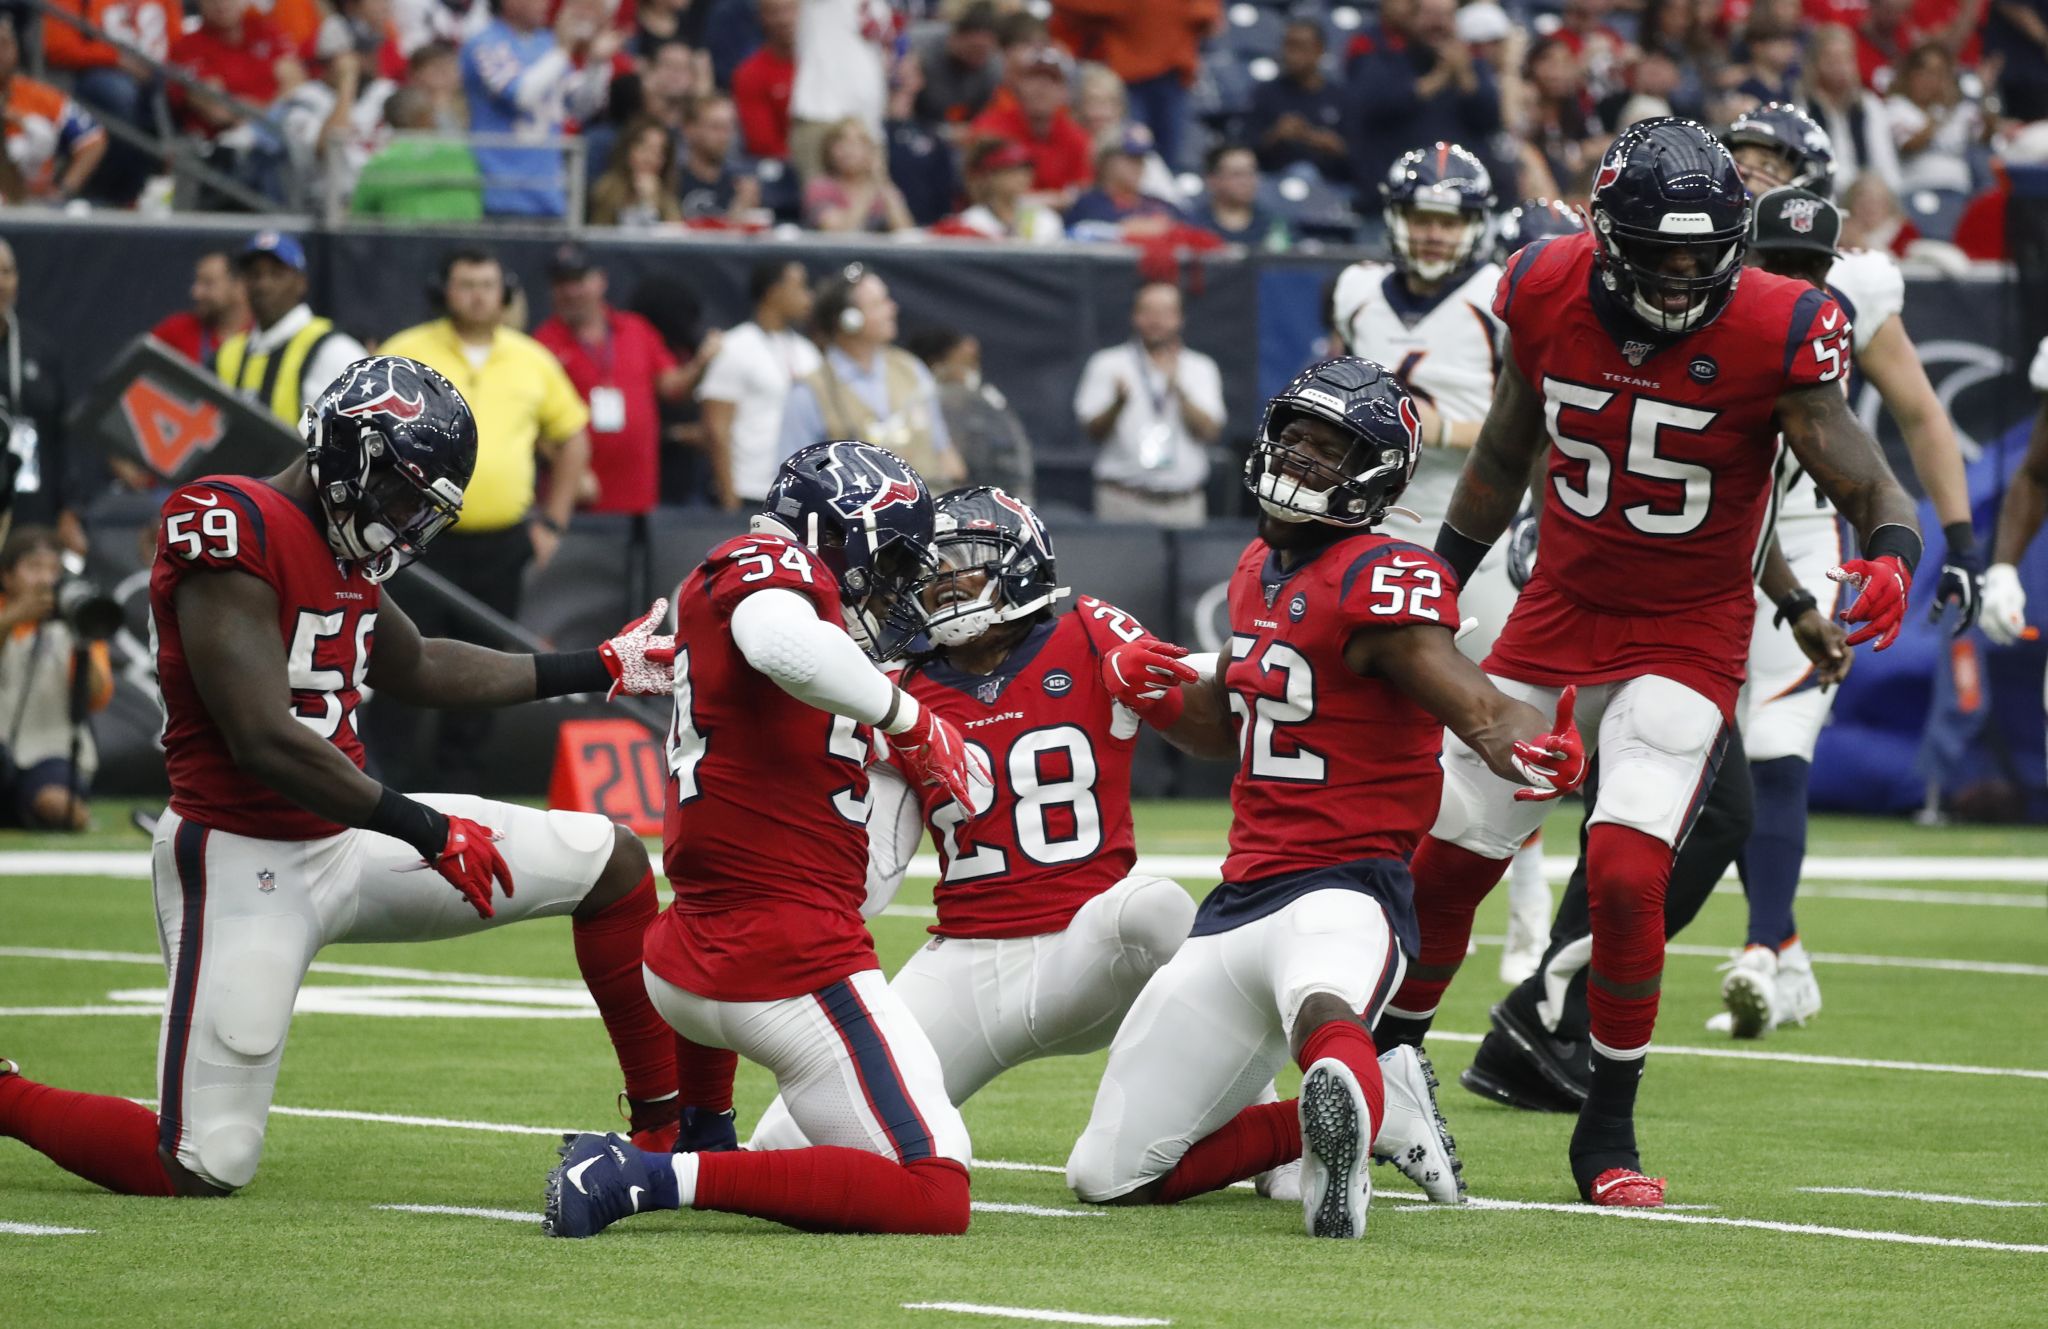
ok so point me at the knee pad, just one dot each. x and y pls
(257, 963)
(1468, 811)
(227, 1154)
(1649, 784)
(1153, 917)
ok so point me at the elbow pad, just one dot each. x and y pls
(778, 633)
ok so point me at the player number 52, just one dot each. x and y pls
(1828, 350)
(215, 524)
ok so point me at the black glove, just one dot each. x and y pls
(1962, 579)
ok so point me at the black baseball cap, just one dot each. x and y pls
(1795, 219)
(569, 261)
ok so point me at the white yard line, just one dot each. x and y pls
(1759, 1224)
(1030, 1313)
(318, 967)
(1807, 1059)
(1999, 967)
(461, 1211)
(1925, 1197)
(1034, 1210)
(39, 1230)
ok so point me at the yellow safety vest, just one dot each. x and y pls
(276, 379)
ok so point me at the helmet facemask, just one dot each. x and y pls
(958, 610)
(1634, 259)
(1430, 270)
(1293, 483)
(381, 510)
(879, 593)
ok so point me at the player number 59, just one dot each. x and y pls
(215, 524)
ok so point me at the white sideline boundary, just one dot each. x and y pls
(42, 1230)
(520, 1216)
(1030, 1313)
(1807, 1059)
(1758, 1224)
(1924, 1197)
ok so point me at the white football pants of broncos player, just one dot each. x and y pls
(988, 1004)
(240, 920)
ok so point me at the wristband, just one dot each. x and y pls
(1962, 545)
(1894, 541)
(1794, 606)
(564, 673)
(415, 823)
(1460, 550)
(902, 714)
(545, 520)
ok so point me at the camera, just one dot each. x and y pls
(90, 612)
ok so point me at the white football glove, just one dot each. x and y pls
(2004, 615)
(640, 657)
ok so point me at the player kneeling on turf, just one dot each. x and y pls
(764, 951)
(1044, 935)
(265, 600)
(1341, 677)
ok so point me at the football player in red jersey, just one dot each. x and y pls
(265, 601)
(764, 951)
(1342, 676)
(1044, 934)
(1659, 384)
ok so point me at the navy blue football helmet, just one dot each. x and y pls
(1443, 178)
(1531, 220)
(1667, 190)
(867, 516)
(1798, 140)
(1366, 402)
(390, 446)
(985, 531)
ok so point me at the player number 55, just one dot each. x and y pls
(215, 524)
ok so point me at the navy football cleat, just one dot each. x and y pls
(600, 1180)
(707, 1132)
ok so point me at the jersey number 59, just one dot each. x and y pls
(218, 536)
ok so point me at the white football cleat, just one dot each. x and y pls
(1336, 1185)
(1798, 992)
(1413, 1135)
(1282, 1183)
(1750, 992)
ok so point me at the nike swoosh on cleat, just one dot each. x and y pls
(1597, 1189)
(575, 1175)
(634, 1193)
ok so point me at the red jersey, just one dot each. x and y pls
(1065, 157)
(760, 94)
(185, 334)
(1659, 473)
(1058, 832)
(766, 841)
(625, 426)
(326, 616)
(1333, 767)
(244, 65)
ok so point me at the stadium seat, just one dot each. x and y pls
(1312, 206)
(1249, 31)
(1936, 211)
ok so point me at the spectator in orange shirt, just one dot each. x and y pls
(1062, 156)
(1155, 48)
(53, 146)
(114, 84)
(220, 309)
(760, 86)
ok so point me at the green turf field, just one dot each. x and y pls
(1942, 975)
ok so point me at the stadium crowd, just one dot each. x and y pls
(1175, 122)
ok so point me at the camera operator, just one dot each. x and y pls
(47, 757)
(32, 407)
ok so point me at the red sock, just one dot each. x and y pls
(608, 954)
(704, 1075)
(1626, 875)
(1349, 1043)
(829, 1189)
(109, 1141)
(1260, 1138)
(1449, 884)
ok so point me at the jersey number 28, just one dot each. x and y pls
(1035, 799)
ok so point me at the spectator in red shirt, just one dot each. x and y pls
(1895, 27)
(760, 86)
(220, 309)
(1062, 156)
(1155, 48)
(239, 53)
(623, 371)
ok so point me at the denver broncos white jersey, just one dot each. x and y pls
(1871, 290)
(1444, 349)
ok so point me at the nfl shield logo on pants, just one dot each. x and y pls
(266, 880)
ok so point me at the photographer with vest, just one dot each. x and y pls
(291, 354)
(868, 388)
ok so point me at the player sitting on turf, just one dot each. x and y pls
(1341, 677)
(1044, 934)
(268, 621)
(764, 951)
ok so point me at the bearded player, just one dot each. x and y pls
(268, 620)
(1342, 675)
(1779, 147)
(763, 951)
(1658, 374)
(1045, 934)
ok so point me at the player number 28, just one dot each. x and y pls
(1647, 418)
(1036, 799)
(215, 524)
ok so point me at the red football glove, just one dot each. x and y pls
(1881, 585)
(642, 660)
(932, 752)
(470, 862)
(1146, 675)
(1555, 763)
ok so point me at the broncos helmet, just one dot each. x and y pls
(1668, 185)
(984, 530)
(1531, 220)
(390, 446)
(1378, 418)
(1441, 178)
(867, 516)
(1794, 135)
